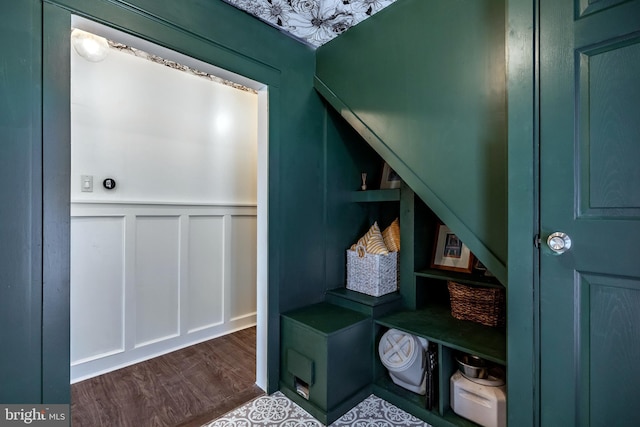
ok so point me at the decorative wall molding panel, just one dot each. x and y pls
(149, 279)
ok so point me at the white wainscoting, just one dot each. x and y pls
(147, 279)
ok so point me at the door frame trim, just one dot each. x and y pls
(523, 405)
(56, 21)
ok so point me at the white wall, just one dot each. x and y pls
(167, 258)
(162, 134)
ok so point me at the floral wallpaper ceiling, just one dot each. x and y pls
(314, 22)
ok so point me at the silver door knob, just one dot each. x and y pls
(559, 242)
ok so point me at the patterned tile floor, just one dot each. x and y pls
(278, 411)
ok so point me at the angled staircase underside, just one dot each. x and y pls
(423, 82)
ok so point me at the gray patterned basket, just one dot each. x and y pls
(372, 274)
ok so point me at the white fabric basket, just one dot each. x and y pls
(372, 274)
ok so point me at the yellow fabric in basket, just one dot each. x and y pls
(391, 236)
(372, 242)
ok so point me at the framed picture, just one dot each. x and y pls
(449, 253)
(390, 179)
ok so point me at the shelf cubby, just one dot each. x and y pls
(435, 323)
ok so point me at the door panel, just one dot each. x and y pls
(608, 90)
(591, 6)
(609, 337)
(590, 189)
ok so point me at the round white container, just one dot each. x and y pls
(482, 404)
(404, 356)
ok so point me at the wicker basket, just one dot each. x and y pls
(478, 304)
(372, 274)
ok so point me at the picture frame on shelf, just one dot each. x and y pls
(449, 253)
(390, 179)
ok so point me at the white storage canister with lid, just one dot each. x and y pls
(403, 355)
(481, 403)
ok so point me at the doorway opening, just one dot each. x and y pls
(182, 241)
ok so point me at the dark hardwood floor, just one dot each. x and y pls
(188, 387)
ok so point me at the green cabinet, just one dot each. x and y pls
(424, 310)
(325, 363)
(435, 323)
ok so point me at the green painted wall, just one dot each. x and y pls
(424, 83)
(34, 231)
(20, 207)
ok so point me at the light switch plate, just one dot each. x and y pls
(86, 183)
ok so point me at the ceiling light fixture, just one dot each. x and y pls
(89, 46)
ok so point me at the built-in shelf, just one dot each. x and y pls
(469, 279)
(437, 324)
(367, 304)
(392, 195)
(422, 308)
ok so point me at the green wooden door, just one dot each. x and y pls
(590, 189)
